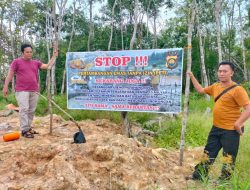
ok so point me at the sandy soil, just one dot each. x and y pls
(109, 160)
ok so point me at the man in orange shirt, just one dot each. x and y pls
(227, 121)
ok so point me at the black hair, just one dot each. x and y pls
(231, 64)
(23, 46)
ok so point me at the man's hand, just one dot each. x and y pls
(5, 91)
(196, 84)
(51, 61)
(190, 74)
(243, 117)
(238, 127)
(55, 53)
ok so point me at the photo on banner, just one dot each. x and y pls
(133, 80)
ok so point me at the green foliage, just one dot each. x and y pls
(197, 129)
(141, 117)
(197, 103)
(174, 35)
(196, 132)
(169, 136)
(246, 85)
(243, 162)
(4, 101)
(42, 109)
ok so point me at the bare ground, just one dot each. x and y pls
(109, 160)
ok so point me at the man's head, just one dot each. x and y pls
(225, 71)
(27, 51)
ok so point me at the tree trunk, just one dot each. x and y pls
(48, 36)
(57, 31)
(69, 47)
(90, 24)
(140, 32)
(155, 36)
(126, 124)
(242, 36)
(187, 87)
(136, 13)
(218, 27)
(121, 28)
(112, 25)
(148, 17)
(230, 28)
(2, 17)
(49, 74)
(13, 54)
(202, 54)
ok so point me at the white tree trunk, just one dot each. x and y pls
(112, 25)
(217, 11)
(155, 35)
(242, 36)
(121, 27)
(136, 16)
(13, 53)
(148, 17)
(53, 81)
(69, 47)
(49, 35)
(57, 31)
(202, 54)
(55, 43)
(126, 124)
(49, 74)
(90, 24)
(187, 87)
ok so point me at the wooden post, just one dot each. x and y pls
(187, 88)
(126, 125)
(55, 46)
(49, 102)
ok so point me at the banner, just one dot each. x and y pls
(135, 80)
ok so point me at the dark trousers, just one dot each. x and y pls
(219, 138)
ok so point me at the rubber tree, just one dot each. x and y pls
(191, 19)
(69, 46)
(202, 51)
(217, 13)
(242, 37)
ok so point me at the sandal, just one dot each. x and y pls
(32, 131)
(27, 134)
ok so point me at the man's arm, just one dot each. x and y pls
(243, 117)
(7, 81)
(51, 61)
(196, 84)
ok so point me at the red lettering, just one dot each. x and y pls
(125, 60)
(107, 61)
(116, 61)
(98, 61)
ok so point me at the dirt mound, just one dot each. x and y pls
(108, 160)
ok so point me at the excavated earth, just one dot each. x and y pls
(109, 160)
